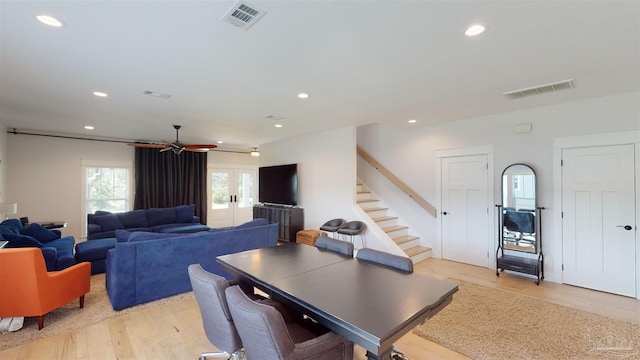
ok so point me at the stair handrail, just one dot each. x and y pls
(397, 182)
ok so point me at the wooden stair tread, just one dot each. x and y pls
(366, 200)
(375, 209)
(403, 239)
(416, 250)
(384, 218)
(394, 228)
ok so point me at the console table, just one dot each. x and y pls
(290, 219)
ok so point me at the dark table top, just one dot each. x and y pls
(369, 304)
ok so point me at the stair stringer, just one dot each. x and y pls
(399, 237)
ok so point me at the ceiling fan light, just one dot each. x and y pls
(255, 152)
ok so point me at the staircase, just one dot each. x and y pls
(389, 224)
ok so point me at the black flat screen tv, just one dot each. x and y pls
(278, 184)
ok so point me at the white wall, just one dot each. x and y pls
(3, 163)
(44, 174)
(410, 152)
(326, 173)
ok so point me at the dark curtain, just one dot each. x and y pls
(165, 179)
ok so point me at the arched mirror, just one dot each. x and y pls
(519, 209)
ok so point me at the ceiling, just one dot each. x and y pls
(361, 62)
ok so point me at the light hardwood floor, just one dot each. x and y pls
(174, 331)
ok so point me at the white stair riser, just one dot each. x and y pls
(369, 205)
(397, 233)
(421, 257)
(409, 244)
(363, 196)
(377, 213)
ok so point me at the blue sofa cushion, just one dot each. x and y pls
(133, 219)
(108, 222)
(184, 213)
(161, 216)
(143, 236)
(122, 235)
(40, 233)
(18, 241)
(253, 223)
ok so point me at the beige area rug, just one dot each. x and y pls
(487, 323)
(97, 307)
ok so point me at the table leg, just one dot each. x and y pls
(372, 356)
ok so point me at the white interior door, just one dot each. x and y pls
(232, 196)
(598, 202)
(465, 215)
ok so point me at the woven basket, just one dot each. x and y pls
(308, 237)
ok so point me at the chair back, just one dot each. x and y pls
(401, 263)
(332, 225)
(335, 245)
(261, 327)
(352, 228)
(218, 325)
(21, 293)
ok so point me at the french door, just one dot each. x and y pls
(598, 218)
(233, 194)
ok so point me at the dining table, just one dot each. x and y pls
(369, 304)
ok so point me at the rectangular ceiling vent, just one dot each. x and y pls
(243, 15)
(540, 89)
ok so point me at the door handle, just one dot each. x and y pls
(235, 199)
(230, 198)
(626, 227)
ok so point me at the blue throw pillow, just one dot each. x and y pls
(184, 213)
(122, 235)
(161, 216)
(133, 219)
(11, 226)
(108, 222)
(18, 241)
(39, 233)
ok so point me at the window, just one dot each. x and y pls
(107, 189)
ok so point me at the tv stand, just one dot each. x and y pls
(290, 219)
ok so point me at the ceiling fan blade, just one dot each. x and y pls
(197, 150)
(165, 148)
(200, 146)
(145, 145)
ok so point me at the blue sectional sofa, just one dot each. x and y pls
(151, 266)
(179, 219)
(57, 250)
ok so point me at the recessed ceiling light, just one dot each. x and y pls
(412, 121)
(278, 125)
(474, 30)
(49, 20)
(220, 142)
(100, 94)
(303, 96)
(89, 127)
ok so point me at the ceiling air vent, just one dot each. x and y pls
(539, 89)
(243, 15)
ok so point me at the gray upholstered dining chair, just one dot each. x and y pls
(332, 225)
(335, 245)
(266, 335)
(401, 263)
(393, 261)
(353, 228)
(218, 324)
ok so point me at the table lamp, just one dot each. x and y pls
(8, 209)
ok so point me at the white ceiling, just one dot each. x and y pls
(361, 62)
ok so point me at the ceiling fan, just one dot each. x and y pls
(177, 147)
